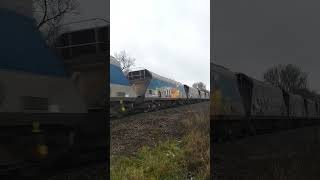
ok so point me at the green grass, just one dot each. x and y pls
(165, 161)
(172, 159)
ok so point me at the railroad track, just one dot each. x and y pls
(89, 163)
(92, 171)
(146, 110)
(82, 166)
(89, 172)
(227, 131)
(10, 170)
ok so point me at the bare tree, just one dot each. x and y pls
(199, 85)
(50, 13)
(288, 77)
(125, 60)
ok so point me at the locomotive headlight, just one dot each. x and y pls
(122, 107)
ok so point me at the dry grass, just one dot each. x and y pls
(303, 165)
(197, 144)
(173, 159)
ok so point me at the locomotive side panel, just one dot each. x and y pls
(25, 92)
(119, 84)
(32, 78)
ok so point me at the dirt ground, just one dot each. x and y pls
(147, 129)
(290, 155)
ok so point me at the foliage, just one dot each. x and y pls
(288, 77)
(199, 85)
(125, 60)
(50, 13)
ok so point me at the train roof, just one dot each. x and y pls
(218, 66)
(23, 48)
(157, 76)
(256, 81)
(70, 30)
(221, 70)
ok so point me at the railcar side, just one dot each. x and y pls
(225, 95)
(311, 108)
(296, 106)
(154, 91)
(261, 106)
(192, 94)
(227, 110)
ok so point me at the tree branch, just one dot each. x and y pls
(44, 14)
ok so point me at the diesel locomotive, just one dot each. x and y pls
(43, 116)
(241, 105)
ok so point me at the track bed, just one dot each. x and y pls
(32, 144)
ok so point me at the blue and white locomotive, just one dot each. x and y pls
(32, 78)
(39, 103)
(122, 95)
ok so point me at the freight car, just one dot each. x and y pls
(241, 105)
(157, 91)
(142, 91)
(43, 116)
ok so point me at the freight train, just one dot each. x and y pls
(241, 105)
(143, 90)
(43, 115)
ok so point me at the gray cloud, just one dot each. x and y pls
(89, 9)
(170, 38)
(251, 36)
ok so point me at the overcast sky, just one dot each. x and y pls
(168, 37)
(252, 35)
(88, 9)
